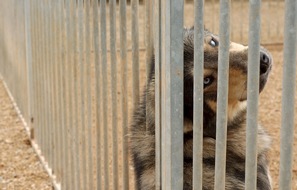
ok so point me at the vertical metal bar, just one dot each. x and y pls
(98, 92)
(38, 76)
(47, 90)
(73, 89)
(135, 51)
(55, 90)
(34, 68)
(64, 72)
(241, 23)
(222, 99)
(113, 58)
(213, 3)
(51, 87)
(231, 17)
(48, 72)
(76, 68)
(28, 32)
(67, 89)
(198, 95)
(89, 95)
(253, 94)
(44, 85)
(59, 84)
(157, 44)
(40, 60)
(33, 95)
(80, 49)
(278, 20)
(104, 88)
(148, 44)
(123, 57)
(162, 93)
(2, 34)
(288, 94)
(268, 14)
(172, 41)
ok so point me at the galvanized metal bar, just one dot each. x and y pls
(89, 95)
(28, 33)
(51, 100)
(158, 58)
(47, 109)
(73, 89)
(68, 91)
(1, 41)
(148, 45)
(77, 73)
(104, 88)
(198, 95)
(222, 97)
(253, 94)
(33, 53)
(162, 93)
(172, 177)
(63, 67)
(58, 39)
(123, 57)
(55, 89)
(278, 20)
(268, 19)
(2, 59)
(213, 3)
(47, 90)
(98, 92)
(113, 58)
(33, 102)
(40, 43)
(80, 49)
(38, 75)
(44, 79)
(241, 23)
(135, 51)
(20, 58)
(288, 95)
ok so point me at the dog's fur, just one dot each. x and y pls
(142, 139)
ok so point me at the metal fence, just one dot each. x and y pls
(75, 67)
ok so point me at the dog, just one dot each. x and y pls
(142, 138)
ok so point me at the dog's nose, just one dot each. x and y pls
(265, 62)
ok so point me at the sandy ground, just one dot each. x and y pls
(19, 165)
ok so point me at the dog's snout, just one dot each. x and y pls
(265, 62)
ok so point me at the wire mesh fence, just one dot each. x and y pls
(76, 70)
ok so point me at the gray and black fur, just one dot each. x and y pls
(142, 142)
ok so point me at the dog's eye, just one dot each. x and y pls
(207, 81)
(213, 42)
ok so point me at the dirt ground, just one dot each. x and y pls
(20, 167)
